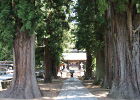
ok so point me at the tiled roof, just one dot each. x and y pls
(74, 56)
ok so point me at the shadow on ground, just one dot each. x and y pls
(51, 90)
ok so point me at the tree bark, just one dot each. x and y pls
(100, 65)
(108, 51)
(47, 63)
(24, 84)
(126, 56)
(54, 68)
(89, 66)
(50, 64)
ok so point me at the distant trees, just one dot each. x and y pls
(99, 31)
(6, 50)
(85, 31)
(52, 28)
(89, 34)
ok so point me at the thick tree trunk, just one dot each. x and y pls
(47, 63)
(100, 65)
(47, 53)
(54, 68)
(89, 66)
(126, 57)
(24, 84)
(108, 51)
(50, 64)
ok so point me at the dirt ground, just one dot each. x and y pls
(51, 90)
(99, 93)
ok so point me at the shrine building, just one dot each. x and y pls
(73, 61)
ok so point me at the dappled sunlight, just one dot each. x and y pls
(60, 98)
(76, 97)
(49, 98)
(41, 84)
(50, 86)
(101, 94)
(95, 87)
(74, 90)
(1, 90)
(97, 91)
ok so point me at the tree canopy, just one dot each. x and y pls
(107, 29)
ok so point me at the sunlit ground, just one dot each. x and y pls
(51, 91)
(96, 90)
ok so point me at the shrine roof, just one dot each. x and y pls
(74, 56)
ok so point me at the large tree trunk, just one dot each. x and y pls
(108, 51)
(24, 84)
(54, 68)
(89, 66)
(100, 65)
(47, 63)
(47, 52)
(126, 56)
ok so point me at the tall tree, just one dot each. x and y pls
(17, 18)
(85, 32)
(53, 27)
(90, 36)
(125, 18)
(108, 51)
(105, 10)
(99, 27)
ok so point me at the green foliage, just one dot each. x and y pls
(21, 14)
(102, 6)
(138, 8)
(122, 5)
(6, 20)
(6, 53)
(6, 30)
(53, 26)
(91, 23)
(85, 18)
(25, 11)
